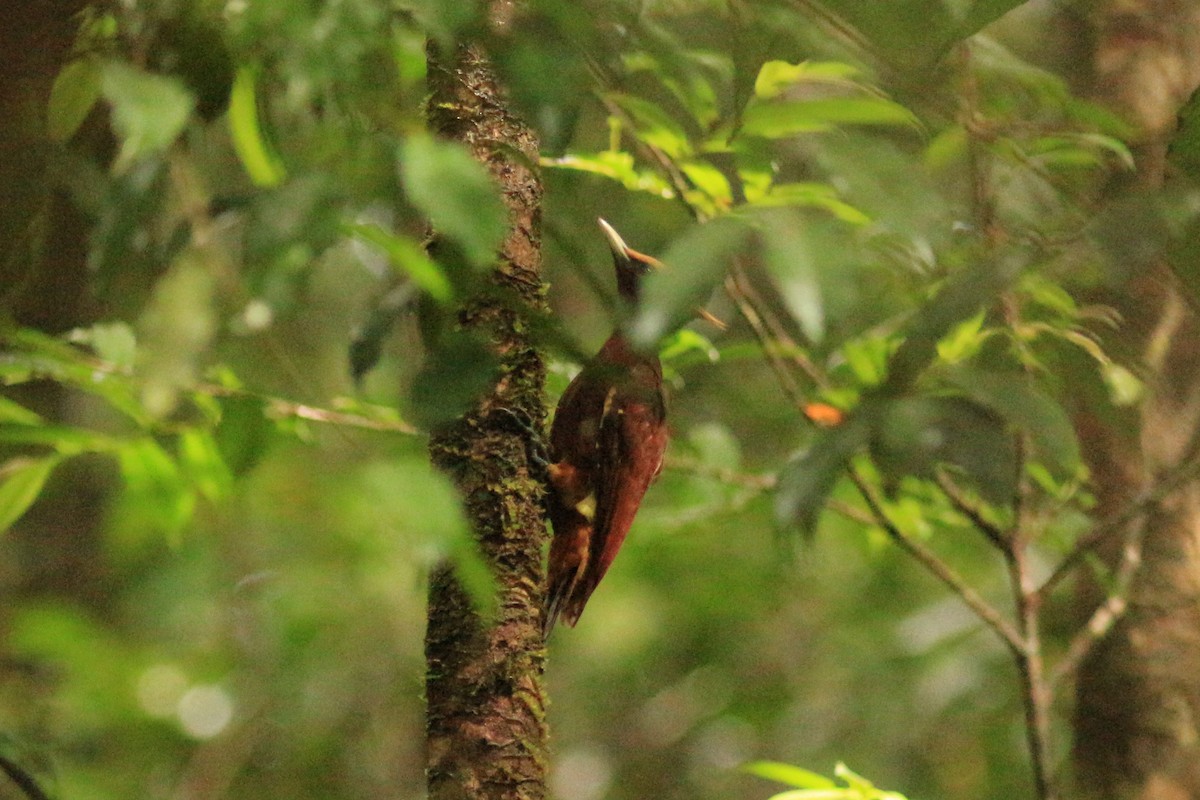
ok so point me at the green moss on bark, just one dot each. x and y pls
(486, 728)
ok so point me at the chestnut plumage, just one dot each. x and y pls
(606, 447)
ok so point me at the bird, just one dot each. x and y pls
(606, 447)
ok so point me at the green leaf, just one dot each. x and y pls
(963, 341)
(1018, 400)
(149, 111)
(420, 504)
(457, 195)
(13, 412)
(65, 440)
(809, 195)
(201, 463)
(781, 119)
(654, 126)
(244, 432)
(114, 342)
(157, 499)
(255, 151)
(794, 260)
(617, 165)
(408, 257)
(913, 34)
(775, 76)
(918, 435)
(455, 374)
(959, 299)
(788, 775)
(74, 93)
(806, 481)
(1184, 151)
(21, 481)
(687, 341)
(695, 263)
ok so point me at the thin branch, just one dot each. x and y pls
(783, 374)
(1108, 612)
(967, 507)
(23, 780)
(779, 334)
(758, 481)
(1032, 668)
(940, 569)
(277, 407)
(1136, 507)
(1031, 664)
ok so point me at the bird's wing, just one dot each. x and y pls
(631, 442)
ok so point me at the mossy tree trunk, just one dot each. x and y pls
(1137, 715)
(486, 731)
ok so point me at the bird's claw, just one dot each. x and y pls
(519, 421)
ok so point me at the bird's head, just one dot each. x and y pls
(629, 263)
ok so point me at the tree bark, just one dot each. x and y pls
(1137, 717)
(486, 730)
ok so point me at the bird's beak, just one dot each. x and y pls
(622, 250)
(614, 239)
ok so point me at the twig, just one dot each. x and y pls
(940, 569)
(965, 506)
(1136, 507)
(1108, 612)
(1032, 668)
(779, 334)
(1031, 665)
(24, 781)
(759, 481)
(783, 374)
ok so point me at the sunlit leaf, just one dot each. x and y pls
(789, 775)
(810, 195)
(72, 97)
(408, 257)
(686, 341)
(114, 342)
(779, 119)
(201, 463)
(959, 299)
(456, 193)
(157, 499)
(654, 126)
(617, 165)
(963, 340)
(64, 439)
(709, 181)
(257, 155)
(149, 111)
(21, 482)
(775, 76)
(13, 412)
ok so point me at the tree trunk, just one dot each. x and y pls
(486, 730)
(1137, 715)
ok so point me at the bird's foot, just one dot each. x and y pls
(519, 421)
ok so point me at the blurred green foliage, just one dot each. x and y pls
(214, 582)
